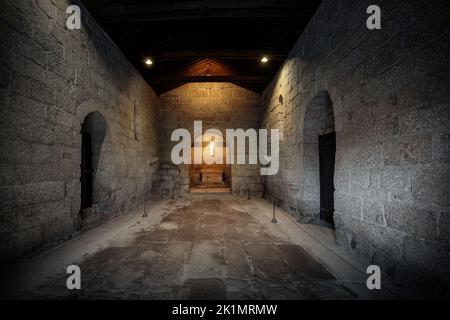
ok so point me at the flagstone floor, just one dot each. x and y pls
(202, 248)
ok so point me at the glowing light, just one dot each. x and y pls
(264, 59)
(211, 148)
(148, 62)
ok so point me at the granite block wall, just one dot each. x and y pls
(218, 105)
(388, 90)
(384, 92)
(51, 78)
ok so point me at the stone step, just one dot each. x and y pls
(208, 195)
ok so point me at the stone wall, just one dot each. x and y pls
(51, 78)
(389, 91)
(220, 106)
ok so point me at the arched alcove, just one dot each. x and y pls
(319, 148)
(93, 131)
(209, 177)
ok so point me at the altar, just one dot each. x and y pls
(212, 176)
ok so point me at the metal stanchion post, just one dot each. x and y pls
(145, 202)
(274, 220)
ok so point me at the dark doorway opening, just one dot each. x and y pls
(93, 131)
(319, 144)
(327, 152)
(86, 169)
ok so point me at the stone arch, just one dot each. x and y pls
(86, 107)
(318, 124)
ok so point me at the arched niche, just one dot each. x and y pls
(319, 148)
(209, 176)
(93, 132)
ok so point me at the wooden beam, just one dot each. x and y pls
(107, 7)
(216, 54)
(167, 11)
(184, 79)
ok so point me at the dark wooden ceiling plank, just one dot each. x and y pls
(186, 79)
(211, 14)
(170, 10)
(150, 7)
(218, 54)
(204, 40)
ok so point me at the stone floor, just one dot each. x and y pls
(201, 248)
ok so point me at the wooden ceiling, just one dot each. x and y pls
(204, 40)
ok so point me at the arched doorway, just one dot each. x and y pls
(319, 149)
(209, 177)
(93, 131)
